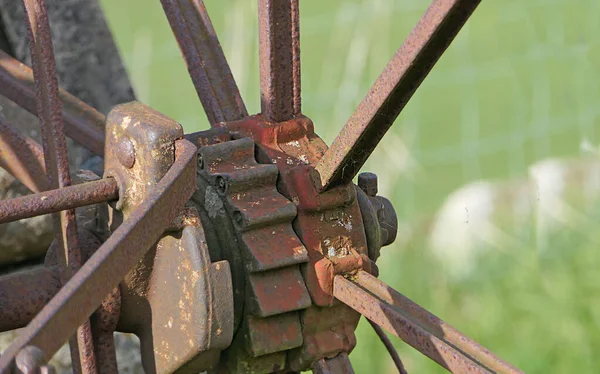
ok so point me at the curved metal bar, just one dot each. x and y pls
(393, 89)
(23, 294)
(389, 346)
(22, 157)
(205, 60)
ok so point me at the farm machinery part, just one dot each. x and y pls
(243, 248)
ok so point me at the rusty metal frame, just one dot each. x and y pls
(84, 292)
(337, 226)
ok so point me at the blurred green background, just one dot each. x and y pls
(517, 86)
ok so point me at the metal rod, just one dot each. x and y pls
(388, 346)
(82, 347)
(83, 123)
(24, 294)
(49, 110)
(382, 313)
(205, 60)
(296, 76)
(84, 292)
(392, 90)
(22, 157)
(389, 309)
(435, 325)
(53, 138)
(279, 49)
(57, 200)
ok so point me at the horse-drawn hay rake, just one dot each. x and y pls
(243, 248)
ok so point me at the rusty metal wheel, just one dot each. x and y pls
(243, 248)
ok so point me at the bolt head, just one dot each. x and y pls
(368, 183)
(221, 185)
(238, 218)
(126, 153)
(29, 359)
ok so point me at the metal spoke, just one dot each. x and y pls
(279, 25)
(205, 60)
(393, 89)
(54, 143)
(57, 200)
(431, 322)
(82, 123)
(22, 157)
(423, 331)
(82, 294)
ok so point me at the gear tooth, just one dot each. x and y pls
(273, 334)
(278, 291)
(261, 257)
(271, 252)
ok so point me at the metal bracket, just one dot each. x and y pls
(175, 299)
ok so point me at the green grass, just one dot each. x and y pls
(519, 84)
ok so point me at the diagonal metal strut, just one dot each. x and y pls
(205, 60)
(392, 90)
(422, 330)
(83, 123)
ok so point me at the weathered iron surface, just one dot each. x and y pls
(175, 299)
(82, 122)
(101, 273)
(103, 326)
(279, 48)
(89, 67)
(184, 317)
(24, 294)
(53, 139)
(88, 64)
(329, 226)
(205, 60)
(378, 215)
(417, 327)
(237, 193)
(22, 157)
(49, 111)
(57, 200)
(392, 90)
